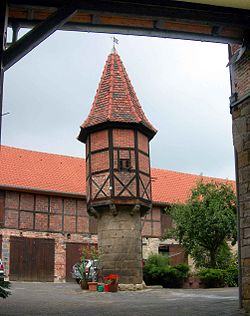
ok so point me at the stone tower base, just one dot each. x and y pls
(120, 247)
(132, 287)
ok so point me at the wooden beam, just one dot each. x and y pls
(37, 35)
(172, 29)
(166, 19)
(152, 9)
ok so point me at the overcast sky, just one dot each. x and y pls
(183, 87)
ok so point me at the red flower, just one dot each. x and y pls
(111, 279)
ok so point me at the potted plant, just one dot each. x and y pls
(83, 278)
(90, 258)
(92, 286)
(4, 288)
(111, 283)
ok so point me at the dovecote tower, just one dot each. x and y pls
(117, 134)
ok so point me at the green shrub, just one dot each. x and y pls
(158, 260)
(153, 274)
(157, 271)
(172, 278)
(183, 268)
(219, 277)
(231, 276)
(231, 273)
(212, 277)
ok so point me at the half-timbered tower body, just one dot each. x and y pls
(117, 135)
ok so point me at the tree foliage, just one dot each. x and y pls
(206, 221)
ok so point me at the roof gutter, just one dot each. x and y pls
(161, 204)
(47, 192)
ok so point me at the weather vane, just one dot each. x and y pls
(115, 42)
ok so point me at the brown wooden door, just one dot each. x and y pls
(177, 255)
(32, 259)
(73, 255)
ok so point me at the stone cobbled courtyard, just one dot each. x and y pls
(68, 299)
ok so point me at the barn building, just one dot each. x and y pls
(44, 220)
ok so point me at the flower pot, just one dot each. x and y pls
(106, 287)
(92, 286)
(113, 287)
(100, 287)
(83, 284)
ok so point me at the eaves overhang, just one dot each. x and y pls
(42, 191)
(214, 21)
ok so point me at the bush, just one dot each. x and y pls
(153, 274)
(220, 277)
(231, 276)
(158, 260)
(183, 268)
(157, 271)
(212, 277)
(173, 278)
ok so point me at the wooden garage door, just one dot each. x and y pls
(32, 259)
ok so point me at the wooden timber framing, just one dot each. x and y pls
(37, 35)
(39, 212)
(143, 17)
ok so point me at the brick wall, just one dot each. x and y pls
(123, 138)
(143, 163)
(241, 73)
(151, 223)
(99, 140)
(100, 161)
(63, 219)
(143, 142)
(61, 240)
(240, 76)
(45, 213)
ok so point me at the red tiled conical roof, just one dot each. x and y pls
(115, 100)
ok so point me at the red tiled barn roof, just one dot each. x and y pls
(44, 172)
(115, 99)
(41, 171)
(171, 186)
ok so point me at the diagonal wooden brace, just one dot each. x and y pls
(37, 35)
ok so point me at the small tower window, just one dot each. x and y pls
(124, 164)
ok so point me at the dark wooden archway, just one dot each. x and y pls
(161, 18)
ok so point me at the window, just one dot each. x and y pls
(124, 164)
(163, 250)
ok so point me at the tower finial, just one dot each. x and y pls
(115, 42)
